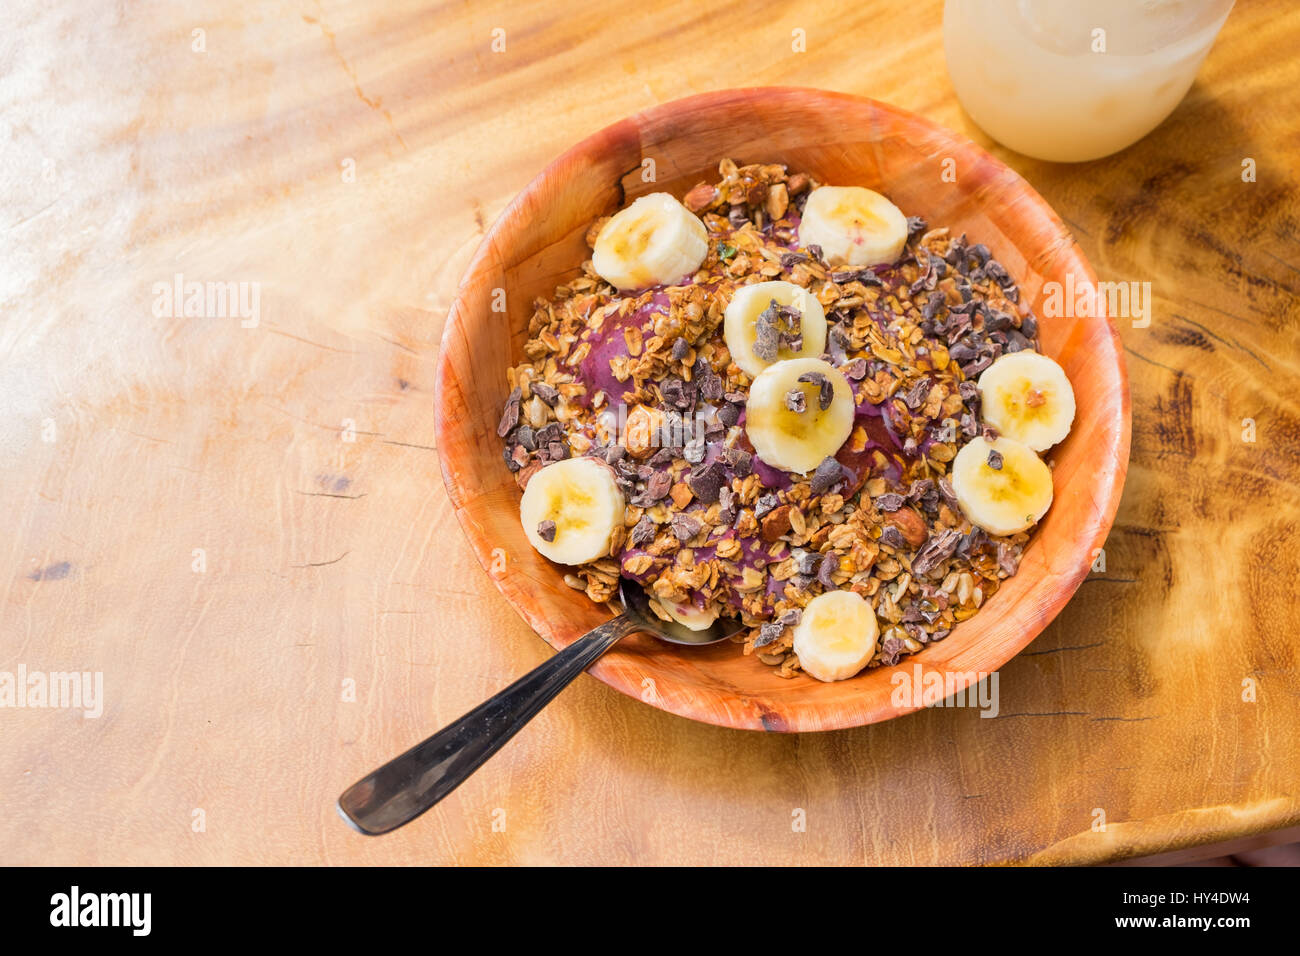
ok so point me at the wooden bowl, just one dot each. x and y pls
(538, 243)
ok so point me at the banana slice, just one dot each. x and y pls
(750, 316)
(654, 241)
(1002, 486)
(1026, 396)
(853, 225)
(570, 509)
(836, 637)
(794, 440)
(688, 615)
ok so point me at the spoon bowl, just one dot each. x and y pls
(406, 786)
(637, 604)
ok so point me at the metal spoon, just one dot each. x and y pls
(406, 786)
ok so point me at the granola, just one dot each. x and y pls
(644, 382)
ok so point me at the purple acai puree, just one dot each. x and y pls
(774, 479)
(881, 437)
(608, 343)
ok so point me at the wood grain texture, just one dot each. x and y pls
(129, 157)
(840, 140)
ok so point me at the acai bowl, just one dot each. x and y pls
(866, 513)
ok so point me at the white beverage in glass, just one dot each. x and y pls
(1033, 74)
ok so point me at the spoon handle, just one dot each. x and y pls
(406, 786)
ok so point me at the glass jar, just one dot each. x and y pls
(1073, 80)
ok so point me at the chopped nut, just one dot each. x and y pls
(778, 200)
(776, 523)
(681, 495)
(910, 525)
(642, 430)
(701, 197)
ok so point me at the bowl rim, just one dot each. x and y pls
(687, 705)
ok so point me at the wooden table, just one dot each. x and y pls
(243, 527)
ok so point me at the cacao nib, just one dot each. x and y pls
(890, 502)
(547, 393)
(706, 481)
(509, 415)
(936, 550)
(829, 565)
(769, 633)
(893, 537)
(890, 651)
(643, 532)
(685, 526)
(825, 389)
(828, 474)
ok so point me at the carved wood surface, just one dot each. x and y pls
(243, 527)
